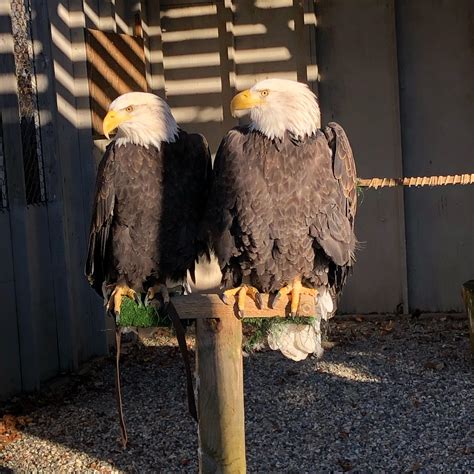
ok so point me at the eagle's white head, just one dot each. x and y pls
(277, 106)
(140, 118)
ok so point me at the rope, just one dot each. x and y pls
(417, 181)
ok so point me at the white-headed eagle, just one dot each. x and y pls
(283, 201)
(152, 186)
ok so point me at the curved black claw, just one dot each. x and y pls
(258, 300)
(137, 299)
(275, 300)
(148, 299)
(111, 313)
(224, 299)
(156, 303)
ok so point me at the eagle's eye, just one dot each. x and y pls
(264, 93)
(129, 108)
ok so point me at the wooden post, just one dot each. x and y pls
(220, 390)
(468, 294)
(219, 368)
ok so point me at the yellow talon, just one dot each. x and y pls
(242, 292)
(294, 291)
(158, 289)
(115, 301)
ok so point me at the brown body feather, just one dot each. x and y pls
(283, 208)
(147, 210)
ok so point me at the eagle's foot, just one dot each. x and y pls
(120, 291)
(241, 292)
(158, 289)
(294, 292)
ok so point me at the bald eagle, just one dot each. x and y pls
(151, 190)
(282, 205)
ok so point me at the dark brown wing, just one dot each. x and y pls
(238, 207)
(187, 174)
(103, 212)
(343, 166)
(333, 222)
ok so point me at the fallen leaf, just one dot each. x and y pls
(343, 434)
(433, 365)
(9, 432)
(416, 403)
(388, 327)
(327, 345)
(467, 450)
(345, 464)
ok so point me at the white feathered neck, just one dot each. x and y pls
(152, 121)
(290, 106)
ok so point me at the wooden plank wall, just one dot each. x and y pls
(362, 58)
(436, 65)
(51, 320)
(399, 75)
(357, 53)
(20, 347)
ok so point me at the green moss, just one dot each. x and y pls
(141, 316)
(132, 314)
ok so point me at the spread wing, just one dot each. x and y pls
(103, 212)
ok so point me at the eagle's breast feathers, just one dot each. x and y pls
(283, 207)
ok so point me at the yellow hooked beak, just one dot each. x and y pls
(244, 101)
(113, 119)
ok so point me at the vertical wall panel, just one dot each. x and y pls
(271, 40)
(10, 368)
(12, 149)
(359, 89)
(192, 67)
(42, 291)
(436, 62)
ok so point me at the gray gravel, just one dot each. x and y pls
(389, 397)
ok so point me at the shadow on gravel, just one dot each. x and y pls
(383, 397)
(81, 414)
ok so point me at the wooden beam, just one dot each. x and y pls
(220, 389)
(207, 306)
(220, 385)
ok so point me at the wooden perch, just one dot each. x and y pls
(211, 306)
(219, 382)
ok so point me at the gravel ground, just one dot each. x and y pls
(390, 396)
